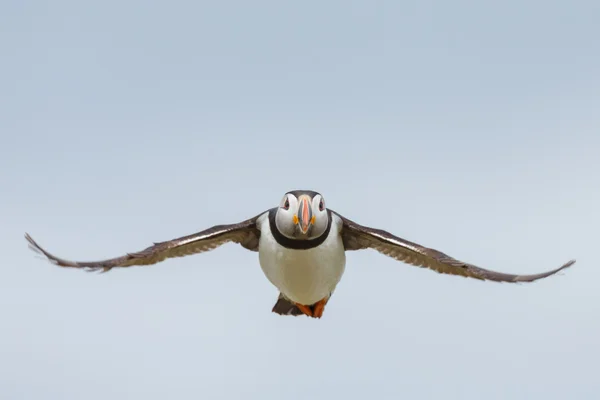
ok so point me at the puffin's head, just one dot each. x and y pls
(302, 215)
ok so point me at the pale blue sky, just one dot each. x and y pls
(470, 127)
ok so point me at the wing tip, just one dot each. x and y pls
(562, 267)
(533, 278)
(33, 245)
(52, 259)
(565, 265)
(29, 238)
(98, 267)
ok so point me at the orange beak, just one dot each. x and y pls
(305, 217)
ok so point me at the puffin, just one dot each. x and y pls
(301, 247)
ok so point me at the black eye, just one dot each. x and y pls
(286, 205)
(321, 205)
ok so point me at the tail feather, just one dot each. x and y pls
(286, 307)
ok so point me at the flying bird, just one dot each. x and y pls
(301, 247)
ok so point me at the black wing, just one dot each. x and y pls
(357, 237)
(246, 233)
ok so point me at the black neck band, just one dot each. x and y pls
(293, 243)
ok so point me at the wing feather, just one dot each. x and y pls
(357, 237)
(245, 233)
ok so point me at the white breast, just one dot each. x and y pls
(303, 276)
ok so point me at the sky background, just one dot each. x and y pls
(470, 127)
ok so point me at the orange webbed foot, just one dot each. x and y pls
(305, 309)
(314, 311)
(319, 308)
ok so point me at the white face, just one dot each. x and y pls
(301, 217)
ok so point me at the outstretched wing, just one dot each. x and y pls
(357, 237)
(245, 233)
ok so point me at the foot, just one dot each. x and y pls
(305, 309)
(319, 307)
(314, 311)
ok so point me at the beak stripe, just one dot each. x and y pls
(305, 214)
